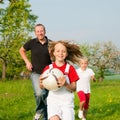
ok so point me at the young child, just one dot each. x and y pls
(60, 103)
(83, 86)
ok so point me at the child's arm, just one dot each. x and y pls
(41, 84)
(62, 82)
(71, 87)
(93, 78)
(41, 79)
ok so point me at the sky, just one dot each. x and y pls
(86, 21)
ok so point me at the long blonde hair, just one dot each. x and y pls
(73, 50)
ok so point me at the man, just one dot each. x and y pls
(39, 59)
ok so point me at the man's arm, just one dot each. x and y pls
(22, 52)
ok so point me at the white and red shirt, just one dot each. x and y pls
(72, 74)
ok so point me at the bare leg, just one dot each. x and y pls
(84, 113)
(81, 108)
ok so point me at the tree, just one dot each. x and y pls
(104, 56)
(16, 22)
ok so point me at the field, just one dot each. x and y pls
(17, 101)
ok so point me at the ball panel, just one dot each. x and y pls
(50, 78)
(50, 83)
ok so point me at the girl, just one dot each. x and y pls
(83, 86)
(61, 102)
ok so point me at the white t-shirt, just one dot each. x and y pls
(84, 82)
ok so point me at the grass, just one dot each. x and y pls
(17, 101)
(104, 102)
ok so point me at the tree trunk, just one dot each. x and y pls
(3, 70)
(100, 79)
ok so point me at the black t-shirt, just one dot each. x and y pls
(39, 54)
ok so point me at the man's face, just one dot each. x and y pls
(40, 32)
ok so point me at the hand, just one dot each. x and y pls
(29, 66)
(94, 80)
(41, 84)
(61, 81)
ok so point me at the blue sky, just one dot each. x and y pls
(86, 21)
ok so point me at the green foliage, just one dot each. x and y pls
(85, 49)
(0, 70)
(16, 22)
(18, 103)
(102, 57)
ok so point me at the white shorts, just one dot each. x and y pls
(61, 105)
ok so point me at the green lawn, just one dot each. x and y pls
(104, 102)
(17, 101)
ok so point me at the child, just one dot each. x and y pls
(61, 102)
(83, 86)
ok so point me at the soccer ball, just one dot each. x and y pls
(50, 77)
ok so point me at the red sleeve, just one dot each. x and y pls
(73, 76)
